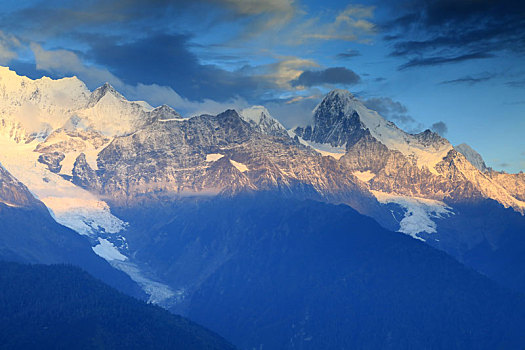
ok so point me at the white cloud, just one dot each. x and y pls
(296, 110)
(282, 72)
(65, 62)
(288, 69)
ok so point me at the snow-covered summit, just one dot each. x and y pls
(101, 92)
(472, 156)
(111, 114)
(32, 108)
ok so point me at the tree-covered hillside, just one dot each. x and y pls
(63, 307)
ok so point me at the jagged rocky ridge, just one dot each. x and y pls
(392, 161)
(174, 154)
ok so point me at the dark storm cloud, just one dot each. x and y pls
(335, 75)
(464, 29)
(166, 60)
(56, 17)
(394, 111)
(469, 80)
(440, 128)
(348, 54)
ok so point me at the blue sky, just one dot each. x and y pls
(457, 66)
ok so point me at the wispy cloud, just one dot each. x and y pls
(469, 80)
(351, 53)
(283, 72)
(439, 60)
(158, 95)
(255, 7)
(516, 83)
(68, 63)
(354, 23)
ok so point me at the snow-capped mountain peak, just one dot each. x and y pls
(260, 118)
(340, 94)
(102, 92)
(165, 113)
(472, 156)
(341, 119)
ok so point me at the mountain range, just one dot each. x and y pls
(275, 238)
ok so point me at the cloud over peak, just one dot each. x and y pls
(335, 75)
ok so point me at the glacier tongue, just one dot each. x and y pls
(70, 205)
(419, 212)
(108, 251)
(79, 210)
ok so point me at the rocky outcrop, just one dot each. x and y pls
(52, 160)
(84, 175)
(13, 193)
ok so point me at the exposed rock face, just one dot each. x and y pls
(52, 160)
(83, 175)
(71, 141)
(334, 123)
(395, 173)
(220, 154)
(164, 112)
